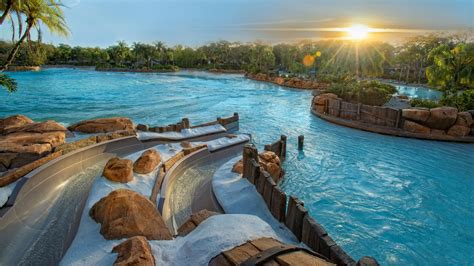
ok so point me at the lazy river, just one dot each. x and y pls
(403, 201)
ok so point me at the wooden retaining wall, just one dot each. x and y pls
(184, 123)
(294, 215)
(376, 115)
(278, 147)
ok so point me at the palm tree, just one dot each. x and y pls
(37, 12)
(5, 6)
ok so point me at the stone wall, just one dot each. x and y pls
(443, 123)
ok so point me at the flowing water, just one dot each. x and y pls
(403, 201)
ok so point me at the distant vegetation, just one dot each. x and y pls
(365, 92)
(445, 62)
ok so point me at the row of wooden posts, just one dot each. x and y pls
(184, 123)
(294, 215)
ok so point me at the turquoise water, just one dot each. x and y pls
(402, 201)
(419, 92)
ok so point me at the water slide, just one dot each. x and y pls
(43, 213)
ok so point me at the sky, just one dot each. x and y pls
(196, 22)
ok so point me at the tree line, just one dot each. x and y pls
(443, 61)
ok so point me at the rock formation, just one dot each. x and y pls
(268, 161)
(134, 251)
(125, 213)
(24, 141)
(103, 125)
(147, 162)
(119, 170)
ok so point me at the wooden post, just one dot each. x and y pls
(268, 191)
(278, 207)
(291, 212)
(399, 115)
(339, 104)
(359, 106)
(283, 139)
(261, 181)
(299, 216)
(325, 244)
(219, 120)
(254, 172)
(249, 153)
(300, 142)
(185, 122)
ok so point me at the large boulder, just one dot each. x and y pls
(442, 117)
(271, 163)
(147, 162)
(103, 125)
(464, 119)
(119, 170)
(415, 127)
(419, 115)
(13, 121)
(319, 102)
(37, 143)
(462, 127)
(195, 219)
(40, 127)
(125, 213)
(134, 251)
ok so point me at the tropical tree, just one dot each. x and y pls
(37, 13)
(119, 53)
(453, 69)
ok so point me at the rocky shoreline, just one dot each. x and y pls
(294, 82)
(442, 123)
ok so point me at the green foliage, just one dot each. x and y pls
(8, 83)
(452, 69)
(262, 59)
(417, 102)
(365, 92)
(463, 100)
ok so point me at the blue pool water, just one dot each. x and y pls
(403, 201)
(419, 92)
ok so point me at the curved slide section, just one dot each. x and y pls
(187, 187)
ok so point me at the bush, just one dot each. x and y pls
(424, 103)
(463, 100)
(365, 92)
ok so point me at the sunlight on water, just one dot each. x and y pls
(403, 201)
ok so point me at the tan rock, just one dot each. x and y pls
(186, 144)
(464, 119)
(13, 121)
(41, 127)
(134, 251)
(268, 161)
(279, 80)
(442, 117)
(418, 115)
(147, 162)
(238, 167)
(25, 138)
(195, 219)
(125, 213)
(119, 170)
(415, 127)
(459, 131)
(103, 125)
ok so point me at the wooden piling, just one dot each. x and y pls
(185, 122)
(278, 206)
(268, 191)
(300, 142)
(250, 152)
(283, 139)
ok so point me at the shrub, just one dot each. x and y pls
(365, 92)
(463, 100)
(417, 102)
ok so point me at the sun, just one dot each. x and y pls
(358, 32)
